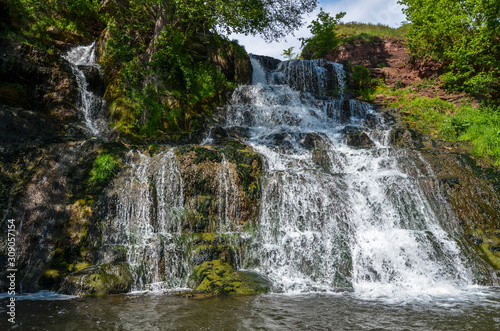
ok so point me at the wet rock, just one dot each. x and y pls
(238, 132)
(407, 138)
(494, 248)
(346, 113)
(51, 92)
(94, 79)
(371, 121)
(477, 241)
(99, 280)
(357, 138)
(321, 158)
(313, 140)
(216, 277)
(268, 63)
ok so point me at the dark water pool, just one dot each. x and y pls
(476, 310)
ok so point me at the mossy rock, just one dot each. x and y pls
(99, 280)
(218, 278)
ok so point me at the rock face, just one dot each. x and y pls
(38, 93)
(470, 186)
(78, 239)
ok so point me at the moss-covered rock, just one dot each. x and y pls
(99, 280)
(219, 278)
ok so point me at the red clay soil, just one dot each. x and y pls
(388, 59)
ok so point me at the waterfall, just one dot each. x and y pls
(333, 214)
(340, 209)
(82, 58)
(151, 223)
(145, 223)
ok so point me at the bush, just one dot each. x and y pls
(361, 76)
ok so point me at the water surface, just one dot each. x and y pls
(474, 309)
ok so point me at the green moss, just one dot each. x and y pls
(492, 258)
(104, 279)
(220, 278)
(104, 169)
(485, 241)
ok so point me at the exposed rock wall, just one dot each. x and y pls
(38, 94)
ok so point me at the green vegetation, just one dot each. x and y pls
(442, 119)
(324, 36)
(289, 54)
(272, 19)
(103, 170)
(219, 278)
(462, 35)
(167, 63)
(365, 32)
(363, 84)
(41, 22)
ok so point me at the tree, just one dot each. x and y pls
(463, 35)
(273, 19)
(324, 37)
(289, 54)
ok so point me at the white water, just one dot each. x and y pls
(91, 104)
(149, 220)
(333, 215)
(148, 206)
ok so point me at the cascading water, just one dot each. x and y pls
(332, 215)
(145, 223)
(91, 104)
(340, 208)
(148, 220)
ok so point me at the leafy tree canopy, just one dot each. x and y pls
(273, 19)
(464, 35)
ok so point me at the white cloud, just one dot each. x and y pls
(386, 12)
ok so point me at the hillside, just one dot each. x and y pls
(414, 86)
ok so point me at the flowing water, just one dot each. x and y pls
(477, 310)
(82, 58)
(336, 216)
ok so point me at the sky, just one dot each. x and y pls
(387, 12)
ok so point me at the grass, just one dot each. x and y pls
(442, 119)
(363, 32)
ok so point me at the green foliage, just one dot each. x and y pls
(273, 19)
(40, 21)
(324, 33)
(354, 32)
(464, 36)
(103, 170)
(399, 85)
(173, 95)
(130, 29)
(479, 126)
(442, 119)
(361, 76)
(364, 85)
(289, 54)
